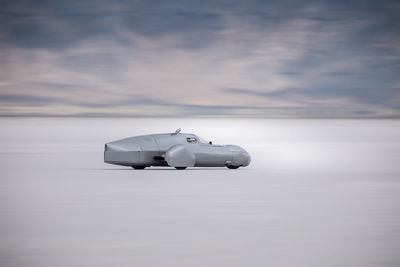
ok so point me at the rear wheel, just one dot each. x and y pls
(138, 167)
(232, 167)
(180, 168)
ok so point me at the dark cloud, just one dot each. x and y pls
(41, 101)
(58, 23)
(368, 94)
(26, 99)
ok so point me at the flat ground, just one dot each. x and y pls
(317, 193)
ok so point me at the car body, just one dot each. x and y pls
(179, 150)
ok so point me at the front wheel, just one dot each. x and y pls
(232, 167)
(180, 168)
(138, 167)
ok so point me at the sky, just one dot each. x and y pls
(200, 58)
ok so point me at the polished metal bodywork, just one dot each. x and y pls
(177, 149)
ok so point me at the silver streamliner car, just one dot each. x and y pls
(179, 150)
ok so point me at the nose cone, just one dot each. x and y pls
(240, 157)
(244, 158)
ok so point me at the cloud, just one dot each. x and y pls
(104, 57)
(279, 93)
(25, 99)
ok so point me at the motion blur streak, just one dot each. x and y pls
(317, 193)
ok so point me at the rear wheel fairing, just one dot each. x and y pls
(179, 156)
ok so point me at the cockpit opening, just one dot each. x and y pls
(191, 140)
